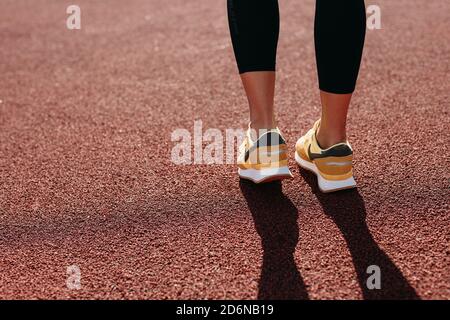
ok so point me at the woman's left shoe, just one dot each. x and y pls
(265, 159)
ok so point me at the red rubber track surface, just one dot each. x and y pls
(86, 177)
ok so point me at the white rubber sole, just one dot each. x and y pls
(265, 175)
(324, 184)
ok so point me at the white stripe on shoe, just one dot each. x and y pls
(324, 184)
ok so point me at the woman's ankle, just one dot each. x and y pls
(263, 124)
(327, 138)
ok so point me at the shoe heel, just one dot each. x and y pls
(265, 175)
(327, 186)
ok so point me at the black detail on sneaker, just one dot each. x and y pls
(268, 139)
(340, 150)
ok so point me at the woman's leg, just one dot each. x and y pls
(339, 34)
(254, 28)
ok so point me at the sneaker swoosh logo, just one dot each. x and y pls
(328, 153)
(313, 156)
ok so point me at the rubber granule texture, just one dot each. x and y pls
(86, 176)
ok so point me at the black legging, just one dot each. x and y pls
(339, 32)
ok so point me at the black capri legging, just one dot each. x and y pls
(339, 32)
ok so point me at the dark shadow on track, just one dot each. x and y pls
(348, 211)
(275, 218)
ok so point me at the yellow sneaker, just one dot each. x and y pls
(265, 159)
(332, 166)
